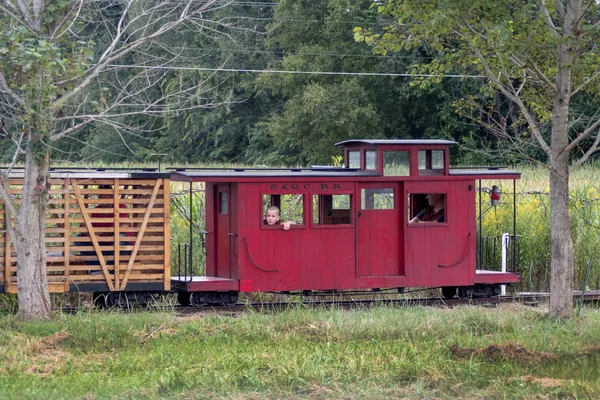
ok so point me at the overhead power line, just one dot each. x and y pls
(271, 71)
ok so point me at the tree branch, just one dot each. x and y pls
(584, 84)
(593, 148)
(584, 135)
(65, 19)
(548, 20)
(110, 55)
(517, 100)
(26, 16)
(6, 89)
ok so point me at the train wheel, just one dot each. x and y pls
(449, 292)
(198, 299)
(98, 298)
(465, 292)
(184, 299)
(117, 300)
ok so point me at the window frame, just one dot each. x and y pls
(421, 224)
(360, 200)
(295, 226)
(429, 161)
(314, 225)
(360, 156)
(408, 160)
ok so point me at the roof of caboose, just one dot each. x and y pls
(485, 173)
(254, 174)
(396, 142)
(86, 173)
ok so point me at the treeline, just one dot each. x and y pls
(255, 117)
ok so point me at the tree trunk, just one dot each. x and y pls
(30, 232)
(561, 266)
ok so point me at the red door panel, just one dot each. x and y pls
(223, 235)
(379, 246)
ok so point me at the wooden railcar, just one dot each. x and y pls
(105, 232)
(352, 226)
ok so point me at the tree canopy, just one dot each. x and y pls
(540, 61)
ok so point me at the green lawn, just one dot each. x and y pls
(472, 353)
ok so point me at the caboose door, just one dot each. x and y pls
(223, 229)
(378, 250)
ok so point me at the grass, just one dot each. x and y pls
(474, 353)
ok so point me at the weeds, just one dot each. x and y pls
(511, 352)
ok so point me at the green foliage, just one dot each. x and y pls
(510, 43)
(180, 229)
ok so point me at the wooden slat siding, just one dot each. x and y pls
(141, 233)
(88, 223)
(7, 251)
(67, 228)
(167, 232)
(6, 244)
(69, 214)
(117, 227)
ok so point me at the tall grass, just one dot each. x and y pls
(533, 224)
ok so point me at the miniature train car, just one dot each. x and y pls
(106, 232)
(395, 216)
(351, 228)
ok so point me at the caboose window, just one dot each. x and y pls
(354, 159)
(427, 208)
(223, 203)
(332, 209)
(291, 206)
(431, 162)
(396, 163)
(377, 199)
(370, 160)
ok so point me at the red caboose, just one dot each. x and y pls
(353, 227)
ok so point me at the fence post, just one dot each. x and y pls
(505, 242)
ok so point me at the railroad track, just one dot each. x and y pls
(530, 298)
(527, 298)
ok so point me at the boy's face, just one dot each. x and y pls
(272, 217)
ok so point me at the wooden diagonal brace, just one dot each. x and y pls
(138, 241)
(88, 223)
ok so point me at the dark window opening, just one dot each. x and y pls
(431, 162)
(427, 208)
(332, 209)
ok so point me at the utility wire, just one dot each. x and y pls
(271, 71)
(288, 53)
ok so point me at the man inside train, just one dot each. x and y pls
(434, 212)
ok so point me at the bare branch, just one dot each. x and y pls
(533, 125)
(560, 8)
(538, 72)
(6, 89)
(584, 135)
(26, 16)
(110, 55)
(64, 20)
(584, 84)
(548, 20)
(592, 149)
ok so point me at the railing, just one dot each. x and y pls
(184, 248)
(498, 253)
